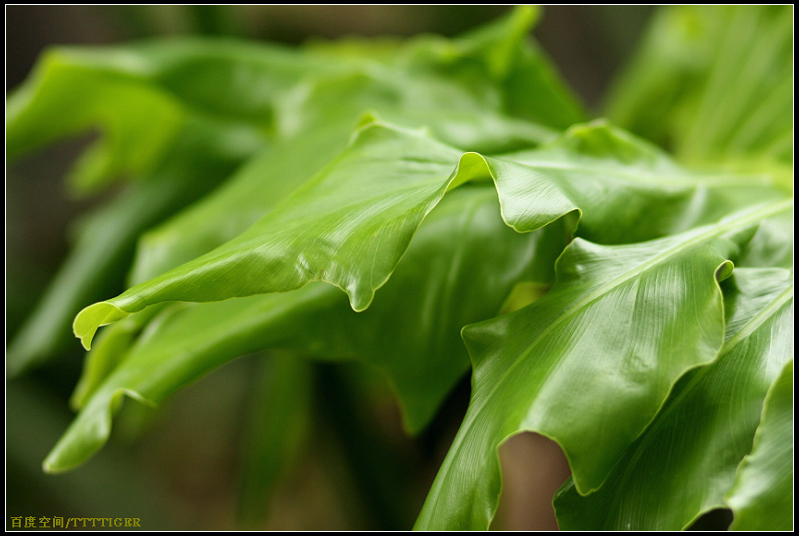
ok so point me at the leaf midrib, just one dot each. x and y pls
(604, 289)
(758, 319)
(750, 327)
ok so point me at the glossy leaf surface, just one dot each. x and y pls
(459, 269)
(245, 94)
(610, 339)
(691, 451)
(762, 497)
(623, 189)
(351, 223)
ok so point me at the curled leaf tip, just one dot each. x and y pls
(724, 271)
(367, 118)
(47, 468)
(92, 317)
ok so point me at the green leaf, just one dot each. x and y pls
(534, 90)
(460, 267)
(350, 224)
(108, 351)
(136, 135)
(690, 452)
(276, 172)
(161, 86)
(531, 89)
(203, 155)
(277, 425)
(635, 341)
(163, 113)
(344, 227)
(715, 83)
(772, 246)
(427, 99)
(590, 363)
(312, 132)
(236, 82)
(446, 84)
(762, 497)
(623, 189)
(243, 199)
(37, 418)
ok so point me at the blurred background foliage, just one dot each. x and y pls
(178, 467)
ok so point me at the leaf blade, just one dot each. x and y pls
(512, 391)
(460, 267)
(762, 496)
(691, 450)
(350, 225)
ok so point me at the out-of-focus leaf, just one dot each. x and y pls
(529, 86)
(685, 461)
(136, 134)
(715, 83)
(534, 91)
(167, 110)
(410, 99)
(460, 267)
(496, 69)
(278, 422)
(203, 155)
(590, 363)
(161, 85)
(36, 420)
(456, 87)
(762, 497)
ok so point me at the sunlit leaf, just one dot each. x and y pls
(350, 224)
(460, 267)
